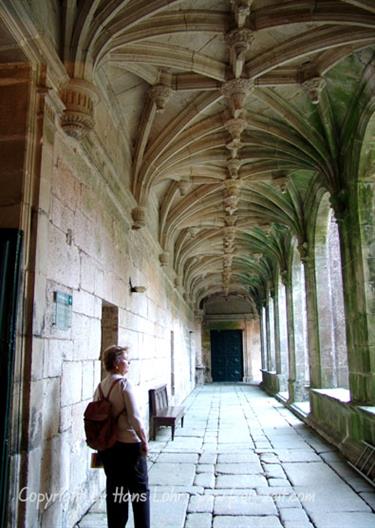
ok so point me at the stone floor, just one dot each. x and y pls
(243, 460)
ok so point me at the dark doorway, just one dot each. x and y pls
(10, 265)
(226, 355)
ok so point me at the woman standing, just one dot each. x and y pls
(125, 463)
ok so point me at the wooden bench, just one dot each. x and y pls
(160, 411)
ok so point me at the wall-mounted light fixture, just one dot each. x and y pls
(136, 289)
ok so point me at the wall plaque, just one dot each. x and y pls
(63, 310)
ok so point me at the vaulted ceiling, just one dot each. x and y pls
(227, 107)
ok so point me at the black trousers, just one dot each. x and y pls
(127, 481)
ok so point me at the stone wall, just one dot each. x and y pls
(87, 249)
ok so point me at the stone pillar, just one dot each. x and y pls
(200, 368)
(313, 349)
(281, 337)
(263, 336)
(357, 240)
(292, 381)
(271, 363)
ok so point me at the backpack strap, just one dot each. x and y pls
(101, 393)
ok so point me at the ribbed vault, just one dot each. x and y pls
(236, 112)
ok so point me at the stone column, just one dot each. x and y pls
(357, 240)
(313, 352)
(291, 341)
(271, 364)
(263, 336)
(199, 365)
(281, 336)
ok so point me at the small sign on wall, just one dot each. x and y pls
(63, 310)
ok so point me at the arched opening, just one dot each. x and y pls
(330, 300)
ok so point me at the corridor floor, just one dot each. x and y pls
(244, 461)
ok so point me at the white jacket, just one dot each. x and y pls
(129, 425)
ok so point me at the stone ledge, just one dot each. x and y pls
(342, 395)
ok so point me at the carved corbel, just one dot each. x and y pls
(313, 87)
(303, 250)
(164, 258)
(159, 94)
(184, 186)
(139, 217)
(79, 97)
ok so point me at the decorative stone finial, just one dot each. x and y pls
(79, 97)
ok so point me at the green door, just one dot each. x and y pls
(226, 355)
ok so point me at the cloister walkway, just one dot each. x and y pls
(243, 460)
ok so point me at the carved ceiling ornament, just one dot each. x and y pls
(236, 126)
(313, 87)
(79, 97)
(159, 94)
(239, 42)
(233, 166)
(241, 10)
(236, 92)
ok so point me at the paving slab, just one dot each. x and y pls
(240, 505)
(178, 457)
(297, 455)
(201, 504)
(240, 481)
(208, 458)
(250, 468)
(198, 520)
(171, 474)
(237, 458)
(343, 520)
(230, 521)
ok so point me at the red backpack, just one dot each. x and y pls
(100, 424)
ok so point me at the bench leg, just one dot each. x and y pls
(173, 428)
(182, 421)
(153, 430)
